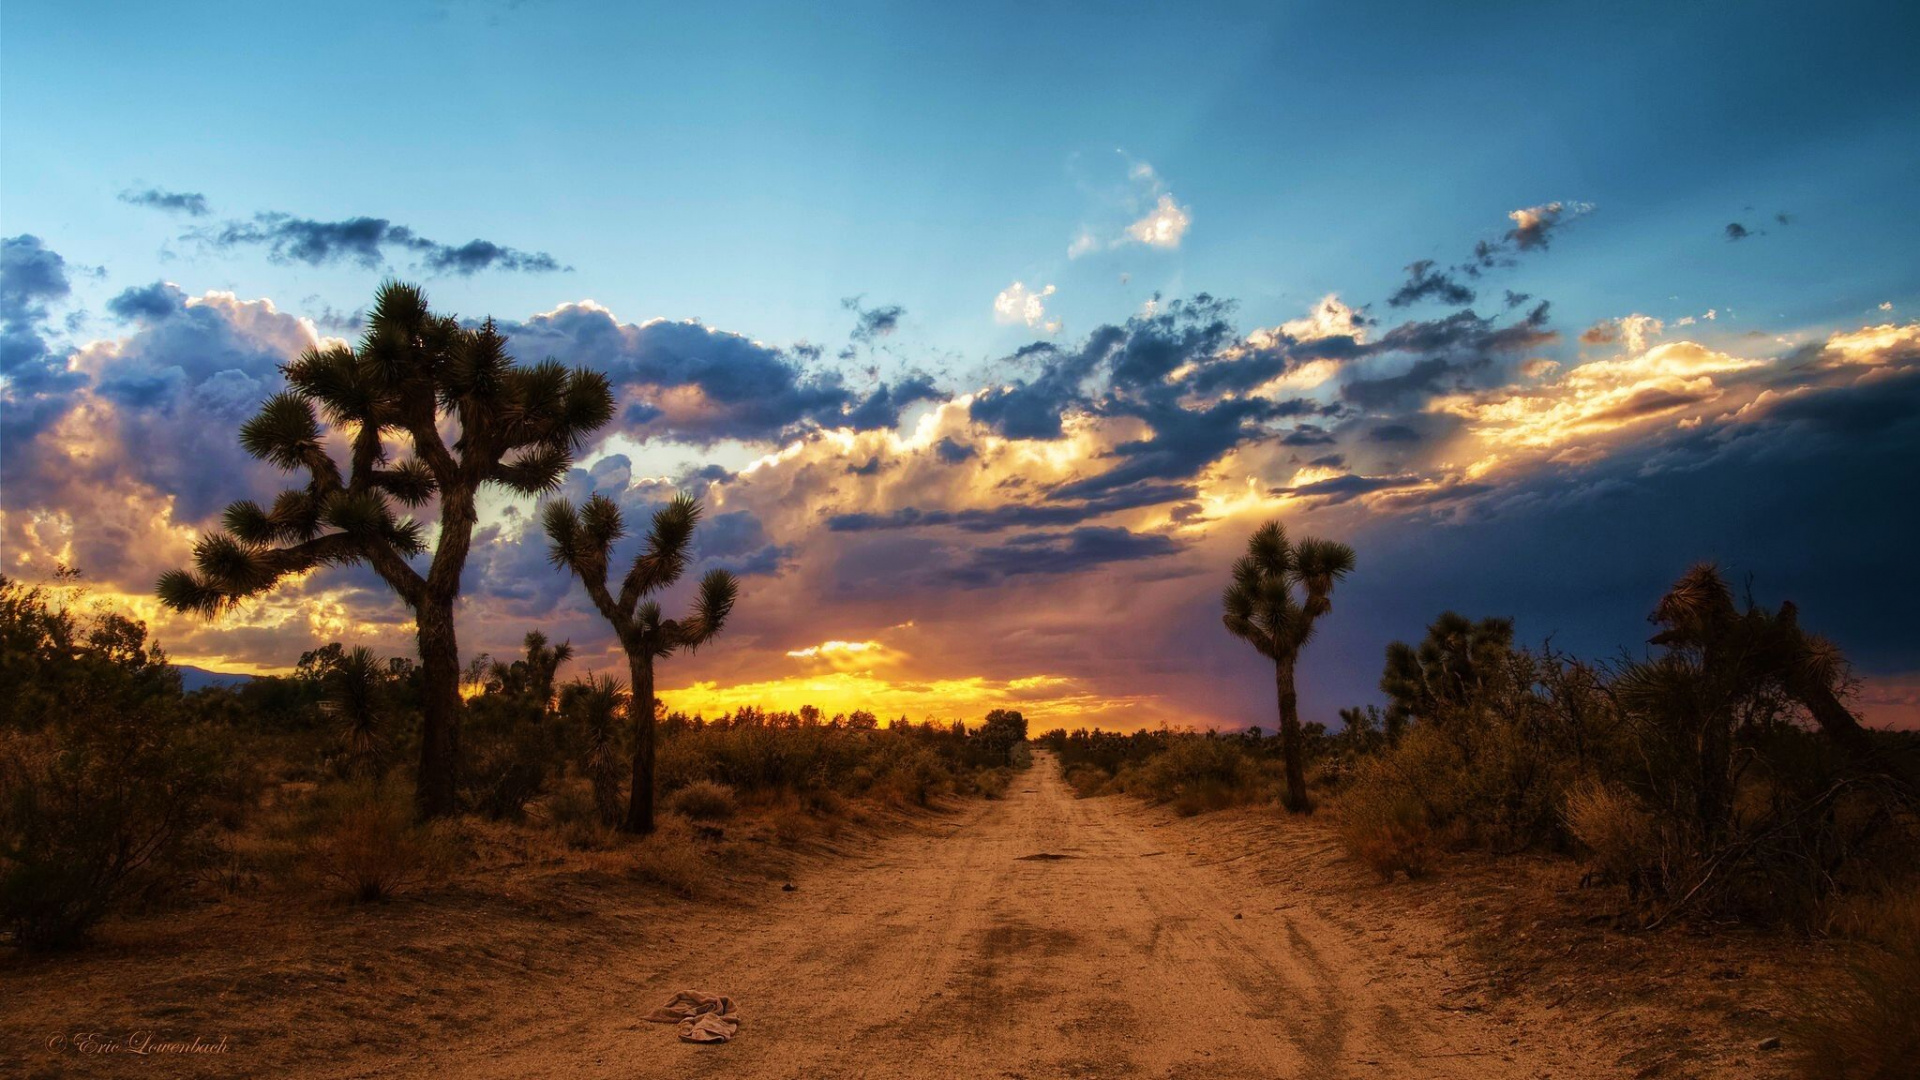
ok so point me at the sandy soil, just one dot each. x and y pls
(1033, 937)
(1040, 936)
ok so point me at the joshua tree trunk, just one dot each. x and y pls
(1290, 748)
(640, 806)
(434, 794)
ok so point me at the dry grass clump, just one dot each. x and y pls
(1388, 830)
(673, 859)
(704, 800)
(1870, 1029)
(360, 839)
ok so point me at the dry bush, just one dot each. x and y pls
(1385, 826)
(1624, 841)
(360, 839)
(992, 783)
(1196, 774)
(674, 860)
(1087, 780)
(1868, 1030)
(105, 809)
(573, 811)
(704, 800)
(791, 826)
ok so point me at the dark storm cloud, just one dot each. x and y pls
(1068, 552)
(745, 390)
(1340, 489)
(952, 453)
(190, 203)
(1014, 515)
(37, 385)
(148, 303)
(1147, 369)
(365, 242)
(1393, 433)
(1450, 352)
(1308, 435)
(1424, 284)
(882, 407)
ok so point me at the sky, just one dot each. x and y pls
(987, 333)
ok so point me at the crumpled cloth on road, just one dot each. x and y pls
(703, 1018)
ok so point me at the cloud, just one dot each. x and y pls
(365, 242)
(36, 376)
(1534, 226)
(1423, 284)
(1635, 330)
(148, 303)
(1017, 304)
(1158, 219)
(1162, 227)
(698, 385)
(190, 203)
(872, 323)
(1073, 551)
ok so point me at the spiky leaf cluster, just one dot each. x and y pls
(413, 371)
(1261, 604)
(581, 541)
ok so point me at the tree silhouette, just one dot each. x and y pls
(1449, 668)
(1261, 608)
(512, 425)
(531, 678)
(356, 698)
(581, 542)
(1718, 653)
(595, 704)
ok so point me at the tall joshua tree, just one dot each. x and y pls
(413, 375)
(1261, 607)
(581, 542)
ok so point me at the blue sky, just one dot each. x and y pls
(755, 166)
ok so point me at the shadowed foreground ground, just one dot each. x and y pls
(960, 953)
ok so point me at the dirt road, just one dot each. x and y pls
(1043, 936)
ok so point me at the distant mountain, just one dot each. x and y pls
(193, 678)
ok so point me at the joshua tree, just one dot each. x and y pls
(531, 679)
(581, 542)
(1261, 607)
(412, 373)
(356, 699)
(1729, 655)
(1448, 669)
(595, 704)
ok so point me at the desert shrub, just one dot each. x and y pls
(704, 800)
(1087, 780)
(672, 859)
(1867, 1030)
(1387, 827)
(1625, 843)
(360, 839)
(507, 766)
(791, 825)
(991, 783)
(572, 811)
(823, 802)
(1196, 773)
(107, 786)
